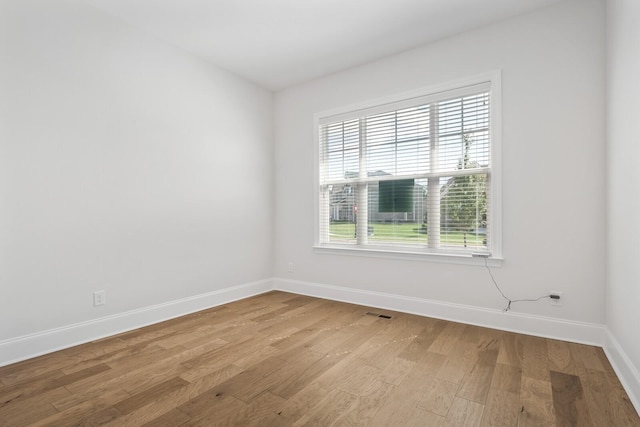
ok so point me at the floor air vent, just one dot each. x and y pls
(384, 316)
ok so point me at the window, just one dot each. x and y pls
(414, 174)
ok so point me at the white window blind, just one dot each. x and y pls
(411, 174)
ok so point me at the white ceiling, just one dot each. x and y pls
(279, 43)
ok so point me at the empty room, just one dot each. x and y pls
(320, 213)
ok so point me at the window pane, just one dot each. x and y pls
(340, 149)
(398, 142)
(463, 211)
(342, 213)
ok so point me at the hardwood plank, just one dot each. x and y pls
(356, 378)
(97, 414)
(286, 373)
(385, 346)
(261, 353)
(130, 368)
(362, 411)
(506, 378)
(98, 418)
(96, 348)
(448, 338)
(622, 410)
(511, 350)
(333, 319)
(283, 313)
(407, 395)
(460, 361)
(88, 399)
(212, 361)
(31, 410)
(141, 335)
(503, 406)
(167, 368)
(489, 339)
(173, 418)
(587, 355)
(301, 403)
(300, 317)
(475, 386)
(250, 383)
(464, 412)
(472, 334)
(422, 418)
(425, 338)
(139, 400)
(84, 361)
(328, 409)
(288, 389)
(535, 361)
(346, 339)
(187, 339)
(262, 410)
(439, 396)
(340, 373)
(175, 398)
(96, 409)
(200, 405)
(396, 370)
(597, 391)
(298, 300)
(568, 400)
(502, 409)
(537, 403)
(226, 411)
(561, 358)
(32, 370)
(29, 387)
(608, 404)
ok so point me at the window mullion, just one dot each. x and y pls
(362, 214)
(433, 183)
(324, 202)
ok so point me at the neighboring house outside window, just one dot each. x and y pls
(415, 174)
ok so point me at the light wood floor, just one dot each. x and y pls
(286, 360)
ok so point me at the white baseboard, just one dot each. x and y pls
(32, 345)
(625, 369)
(547, 327)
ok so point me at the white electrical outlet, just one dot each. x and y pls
(99, 298)
(557, 302)
(290, 267)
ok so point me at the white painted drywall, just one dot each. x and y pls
(553, 69)
(126, 165)
(623, 134)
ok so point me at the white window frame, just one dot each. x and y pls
(378, 251)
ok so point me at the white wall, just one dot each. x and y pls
(553, 66)
(125, 165)
(623, 133)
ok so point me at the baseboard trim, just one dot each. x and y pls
(579, 332)
(33, 345)
(624, 367)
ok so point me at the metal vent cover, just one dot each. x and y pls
(384, 316)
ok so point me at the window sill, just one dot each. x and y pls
(406, 255)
